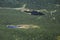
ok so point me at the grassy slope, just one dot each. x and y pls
(49, 29)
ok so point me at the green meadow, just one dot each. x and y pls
(49, 28)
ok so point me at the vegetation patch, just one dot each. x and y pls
(58, 37)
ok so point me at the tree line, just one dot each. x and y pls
(18, 3)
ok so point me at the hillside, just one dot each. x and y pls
(49, 28)
(49, 23)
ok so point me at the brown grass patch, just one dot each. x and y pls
(25, 26)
